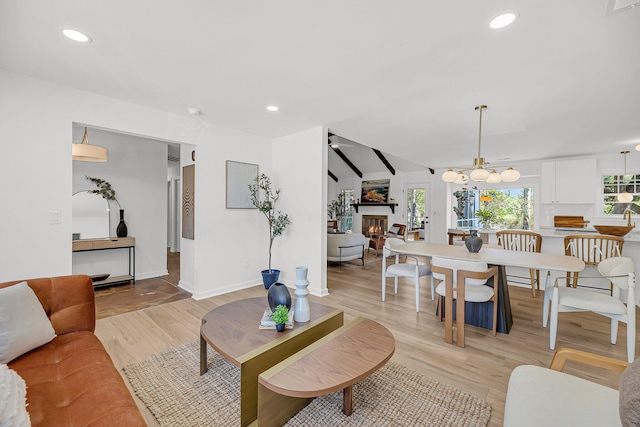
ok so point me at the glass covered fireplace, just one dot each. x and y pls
(374, 224)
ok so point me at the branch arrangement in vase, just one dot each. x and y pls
(104, 189)
(265, 198)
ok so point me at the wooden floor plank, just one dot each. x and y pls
(482, 368)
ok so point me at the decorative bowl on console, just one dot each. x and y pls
(614, 230)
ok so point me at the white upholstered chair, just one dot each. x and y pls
(410, 270)
(568, 399)
(620, 272)
(463, 281)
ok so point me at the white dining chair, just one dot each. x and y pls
(410, 270)
(620, 272)
(463, 281)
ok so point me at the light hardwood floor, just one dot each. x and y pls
(482, 368)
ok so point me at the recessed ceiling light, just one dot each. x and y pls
(503, 20)
(272, 108)
(76, 35)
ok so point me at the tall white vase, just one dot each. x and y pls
(302, 312)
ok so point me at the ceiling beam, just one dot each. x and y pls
(384, 160)
(344, 158)
(335, 178)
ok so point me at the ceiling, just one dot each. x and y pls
(403, 77)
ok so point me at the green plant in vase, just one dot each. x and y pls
(486, 217)
(280, 316)
(265, 198)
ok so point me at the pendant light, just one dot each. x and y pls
(478, 171)
(85, 152)
(624, 197)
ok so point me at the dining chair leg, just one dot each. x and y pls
(417, 282)
(448, 308)
(631, 340)
(575, 280)
(614, 331)
(532, 275)
(460, 315)
(495, 313)
(433, 289)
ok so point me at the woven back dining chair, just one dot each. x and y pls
(592, 249)
(526, 241)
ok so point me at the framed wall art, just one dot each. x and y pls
(239, 177)
(375, 191)
(188, 201)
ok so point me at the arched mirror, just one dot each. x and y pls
(90, 216)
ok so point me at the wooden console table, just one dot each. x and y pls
(106, 244)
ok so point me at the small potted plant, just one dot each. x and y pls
(280, 316)
(264, 198)
(485, 216)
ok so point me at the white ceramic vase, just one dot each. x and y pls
(302, 311)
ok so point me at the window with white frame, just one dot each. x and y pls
(612, 185)
(496, 208)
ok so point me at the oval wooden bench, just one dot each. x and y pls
(335, 362)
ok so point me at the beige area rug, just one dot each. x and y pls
(170, 385)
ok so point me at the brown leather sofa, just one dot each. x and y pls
(71, 381)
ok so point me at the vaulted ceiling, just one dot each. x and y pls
(402, 77)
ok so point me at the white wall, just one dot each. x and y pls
(299, 173)
(36, 132)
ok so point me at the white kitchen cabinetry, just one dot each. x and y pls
(569, 181)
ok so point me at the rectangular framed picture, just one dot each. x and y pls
(375, 191)
(239, 177)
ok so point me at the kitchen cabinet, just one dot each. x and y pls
(569, 181)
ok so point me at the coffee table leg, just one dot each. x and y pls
(203, 356)
(347, 400)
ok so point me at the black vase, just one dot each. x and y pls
(473, 242)
(121, 230)
(278, 294)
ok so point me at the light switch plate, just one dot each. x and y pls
(55, 217)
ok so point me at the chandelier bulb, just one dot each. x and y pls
(449, 176)
(510, 175)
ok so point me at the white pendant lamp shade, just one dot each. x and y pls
(480, 174)
(510, 175)
(85, 152)
(494, 177)
(625, 197)
(462, 178)
(450, 176)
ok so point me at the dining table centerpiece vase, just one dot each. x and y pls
(473, 242)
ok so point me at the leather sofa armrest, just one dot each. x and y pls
(69, 301)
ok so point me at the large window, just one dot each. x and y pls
(502, 208)
(612, 185)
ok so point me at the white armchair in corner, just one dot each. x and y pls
(345, 247)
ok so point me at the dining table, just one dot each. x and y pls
(480, 314)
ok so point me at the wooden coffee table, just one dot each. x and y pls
(334, 362)
(232, 330)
